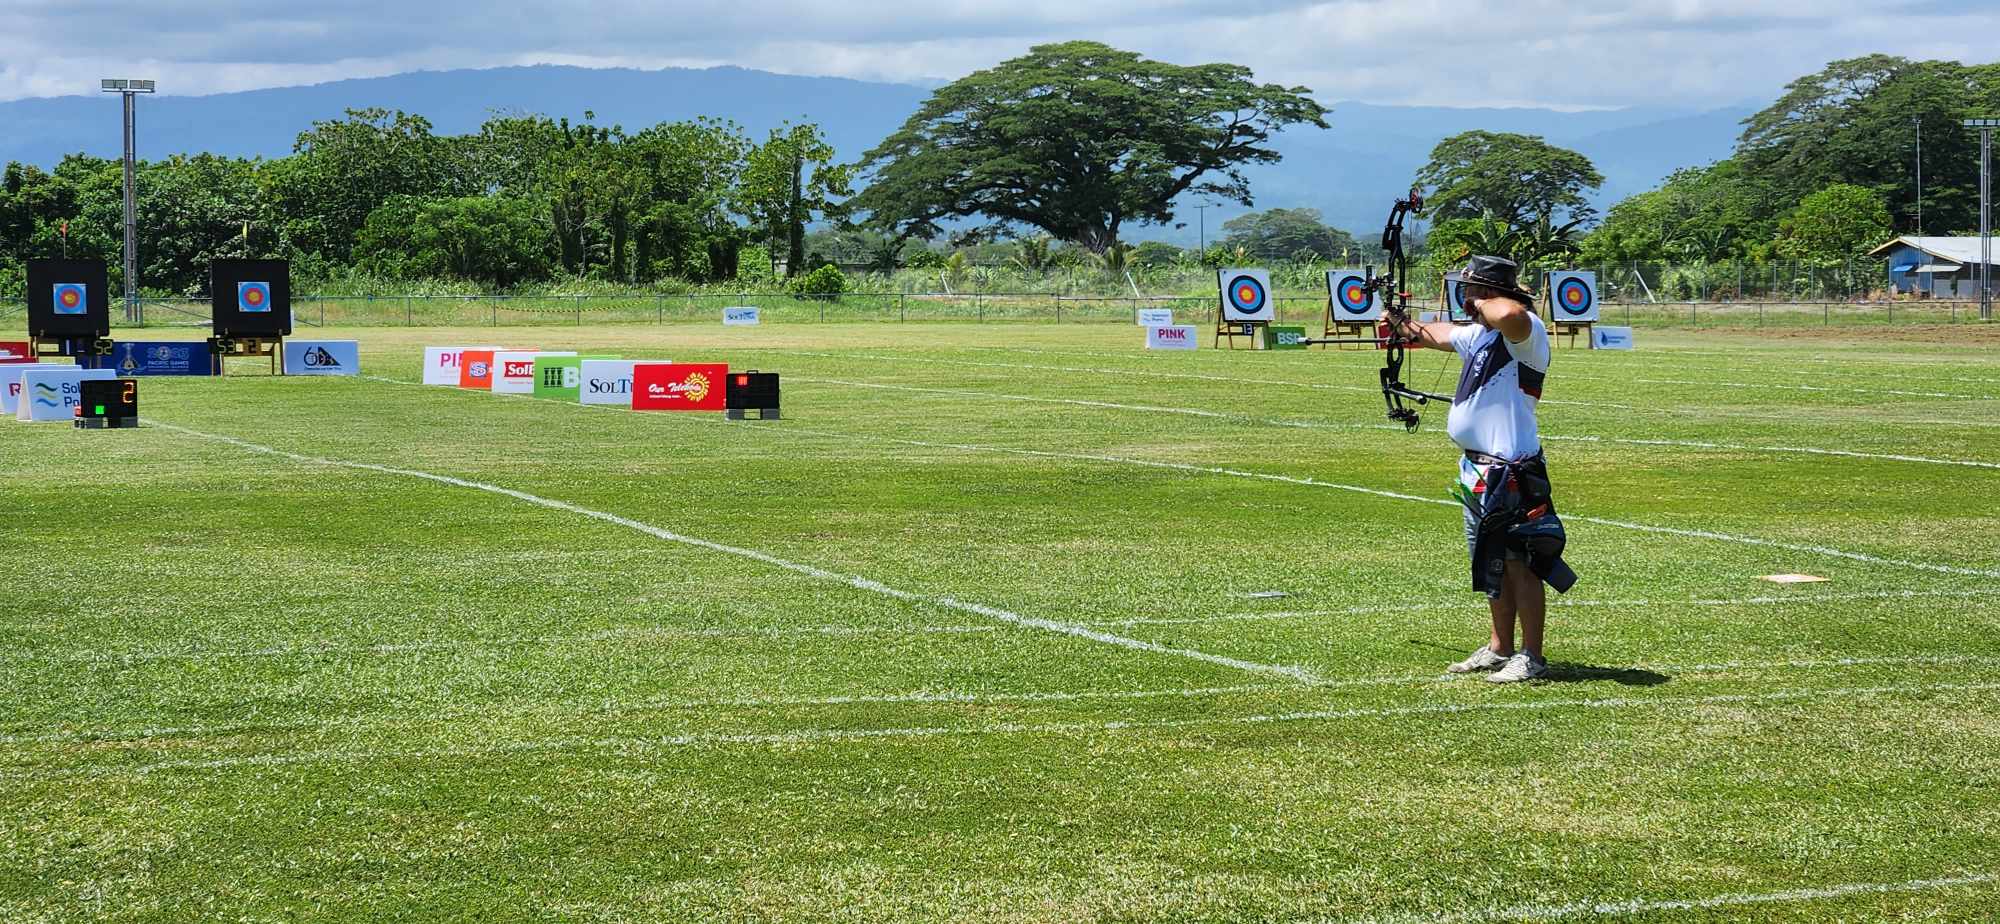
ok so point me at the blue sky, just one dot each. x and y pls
(1605, 53)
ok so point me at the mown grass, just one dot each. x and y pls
(237, 685)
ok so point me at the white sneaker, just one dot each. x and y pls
(1482, 660)
(1518, 668)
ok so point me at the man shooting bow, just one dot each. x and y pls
(1511, 527)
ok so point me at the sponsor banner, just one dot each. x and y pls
(679, 386)
(606, 381)
(10, 384)
(741, 315)
(13, 352)
(1173, 337)
(1610, 338)
(322, 357)
(514, 370)
(441, 363)
(53, 393)
(475, 369)
(1156, 317)
(560, 376)
(161, 357)
(1284, 338)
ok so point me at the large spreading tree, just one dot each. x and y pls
(1517, 180)
(1077, 139)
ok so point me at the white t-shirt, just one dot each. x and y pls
(1493, 410)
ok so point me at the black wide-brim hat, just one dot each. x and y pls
(1497, 273)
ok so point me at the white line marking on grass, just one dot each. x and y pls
(856, 581)
(1564, 602)
(1377, 492)
(921, 697)
(1342, 425)
(505, 641)
(636, 746)
(1643, 906)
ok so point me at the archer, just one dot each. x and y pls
(1511, 527)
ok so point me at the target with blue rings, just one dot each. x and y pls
(1454, 299)
(1573, 296)
(71, 298)
(253, 297)
(1246, 295)
(1347, 291)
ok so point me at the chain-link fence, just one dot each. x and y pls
(1639, 294)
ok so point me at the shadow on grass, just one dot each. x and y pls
(1561, 672)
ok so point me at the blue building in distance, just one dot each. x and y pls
(1937, 267)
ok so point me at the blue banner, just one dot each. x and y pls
(322, 357)
(159, 357)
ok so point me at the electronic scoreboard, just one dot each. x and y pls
(108, 404)
(751, 391)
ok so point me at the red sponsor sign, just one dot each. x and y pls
(679, 386)
(475, 369)
(16, 351)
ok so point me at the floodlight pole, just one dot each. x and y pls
(127, 89)
(1986, 127)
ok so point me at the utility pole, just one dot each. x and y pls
(1201, 225)
(1985, 127)
(1918, 123)
(128, 89)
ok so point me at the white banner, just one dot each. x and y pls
(1610, 338)
(608, 381)
(441, 363)
(1175, 337)
(743, 315)
(514, 370)
(52, 393)
(322, 357)
(10, 383)
(1156, 317)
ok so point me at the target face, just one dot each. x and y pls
(1246, 295)
(1454, 293)
(253, 297)
(1575, 296)
(1351, 299)
(71, 298)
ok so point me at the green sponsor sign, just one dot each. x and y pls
(1284, 338)
(560, 376)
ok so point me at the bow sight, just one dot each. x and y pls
(1393, 293)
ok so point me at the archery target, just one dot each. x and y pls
(1574, 295)
(1454, 300)
(1348, 291)
(71, 298)
(1246, 295)
(253, 297)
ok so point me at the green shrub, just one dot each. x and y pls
(827, 280)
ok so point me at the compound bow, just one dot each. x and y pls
(1393, 292)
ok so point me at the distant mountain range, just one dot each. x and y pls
(1350, 172)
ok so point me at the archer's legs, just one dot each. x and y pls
(1531, 602)
(1503, 608)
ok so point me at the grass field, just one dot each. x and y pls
(977, 632)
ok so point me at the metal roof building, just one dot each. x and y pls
(1944, 267)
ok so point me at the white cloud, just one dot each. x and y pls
(1692, 53)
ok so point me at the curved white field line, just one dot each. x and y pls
(639, 746)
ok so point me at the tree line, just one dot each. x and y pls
(1053, 157)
